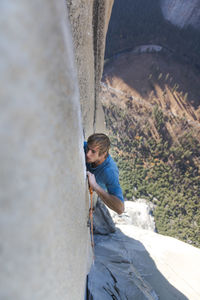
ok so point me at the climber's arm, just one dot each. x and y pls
(111, 201)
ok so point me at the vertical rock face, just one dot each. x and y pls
(182, 12)
(89, 20)
(43, 202)
(81, 19)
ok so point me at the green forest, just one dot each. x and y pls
(162, 170)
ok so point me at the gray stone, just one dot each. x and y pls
(89, 23)
(45, 244)
(138, 213)
(113, 274)
(103, 223)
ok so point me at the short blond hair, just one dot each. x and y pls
(101, 140)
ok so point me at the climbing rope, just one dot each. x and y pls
(91, 219)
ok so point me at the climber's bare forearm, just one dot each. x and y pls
(111, 201)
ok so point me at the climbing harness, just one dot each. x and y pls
(91, 219)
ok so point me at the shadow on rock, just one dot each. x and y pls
(123, 269)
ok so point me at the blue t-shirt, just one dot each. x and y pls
(107, 176)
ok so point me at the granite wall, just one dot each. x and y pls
(89, 20)
(45, 243)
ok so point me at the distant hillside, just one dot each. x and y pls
(182, 12)
(136, 22)
(152, 110)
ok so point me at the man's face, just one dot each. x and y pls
(92, 155)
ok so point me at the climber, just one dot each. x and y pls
(102, 172)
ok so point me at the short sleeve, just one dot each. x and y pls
(112, 183)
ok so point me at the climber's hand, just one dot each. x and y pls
(110, 200)
(92, 180)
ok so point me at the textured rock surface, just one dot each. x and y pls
(138, 213)
(113, 274)
(177, 271)
(40, 135)
(133, 263)
(103, 223)
(44, 201)
(89, 20)
(44, 205)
